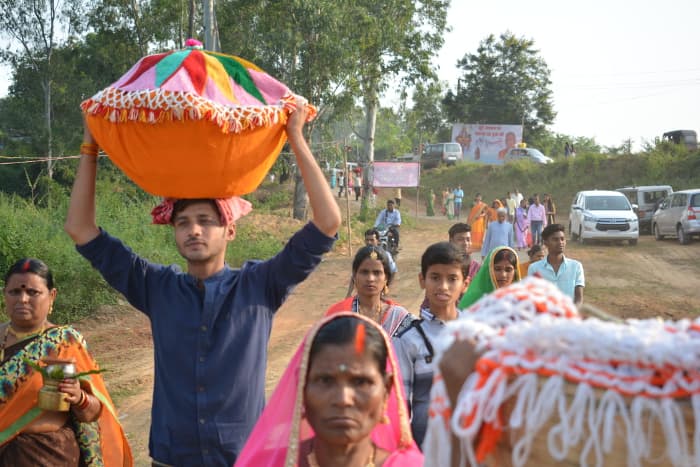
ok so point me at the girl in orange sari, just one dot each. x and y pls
(477, 222)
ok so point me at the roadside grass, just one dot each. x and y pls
(34, 228)
(564, 177)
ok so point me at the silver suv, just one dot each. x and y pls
(603, 215)
(679, 216)
(647, 200)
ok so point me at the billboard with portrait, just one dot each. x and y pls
(485, 142)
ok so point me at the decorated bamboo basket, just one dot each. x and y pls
(192, 123)
(552, 389)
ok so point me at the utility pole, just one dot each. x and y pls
(211, 31)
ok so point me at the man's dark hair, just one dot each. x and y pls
(182, 204)
(552, 228)
(443, 253)
(459, 227)
(373, 232)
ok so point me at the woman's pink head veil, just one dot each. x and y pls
(281, 428)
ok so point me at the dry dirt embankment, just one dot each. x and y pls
(651, 279)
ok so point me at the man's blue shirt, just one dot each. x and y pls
(210, 341)
(569, 276)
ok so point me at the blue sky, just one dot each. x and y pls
(619, 69)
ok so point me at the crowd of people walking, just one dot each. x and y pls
(357, 390)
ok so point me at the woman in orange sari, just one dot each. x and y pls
(87, 433)
(477, 222)
(492, 212)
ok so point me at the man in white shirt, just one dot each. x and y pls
(499, 233)
(518, 197)
(511, 204)
(390, 217)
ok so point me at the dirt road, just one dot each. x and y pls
(651, 279)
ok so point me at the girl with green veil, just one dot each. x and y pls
(500, 269)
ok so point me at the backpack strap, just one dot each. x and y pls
(428, 345)
(404, 325)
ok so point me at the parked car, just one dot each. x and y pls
(647, 199)
(603, 215)
(529, 154)
(440, 153)
(678, 216)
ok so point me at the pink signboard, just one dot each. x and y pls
(396, 174)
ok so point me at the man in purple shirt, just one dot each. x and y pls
(210, 325)
(537, 216)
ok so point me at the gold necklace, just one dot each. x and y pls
(19, 336)
(23, 335)
(313, 461)
(374, 314)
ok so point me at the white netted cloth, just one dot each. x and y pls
(639, 372)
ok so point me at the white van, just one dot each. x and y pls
(603, 215)
(441, 153)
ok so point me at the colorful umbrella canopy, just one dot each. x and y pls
(192, 123)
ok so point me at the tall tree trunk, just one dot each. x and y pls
(299, 211)
(371, 102)
(190, 23)
(137, 26)
(211, 34)
(49, 132)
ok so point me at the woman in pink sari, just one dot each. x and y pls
(521, 226)
(339, 403)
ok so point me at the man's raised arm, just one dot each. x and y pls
(326, 213)
(80, 221)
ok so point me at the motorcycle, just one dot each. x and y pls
(387, 239)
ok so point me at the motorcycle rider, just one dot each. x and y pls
(390, 217)
(372, 239)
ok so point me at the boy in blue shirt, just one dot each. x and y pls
(444, 277)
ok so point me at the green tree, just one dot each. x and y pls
(425, 120)
(302, 43)
(33, 28)
(505, 81)
(392, 139)
(392, 39)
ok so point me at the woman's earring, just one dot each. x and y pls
(385, 290)
(385, 418)
(51, 308)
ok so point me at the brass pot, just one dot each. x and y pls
(50, 398)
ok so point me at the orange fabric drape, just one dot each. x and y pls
(477, 222)
(193, 159)
(115, 448)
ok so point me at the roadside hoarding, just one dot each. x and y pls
(485, 142)
(395, 174)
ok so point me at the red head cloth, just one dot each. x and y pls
(230, 210)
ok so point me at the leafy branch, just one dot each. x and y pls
(57, 373)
